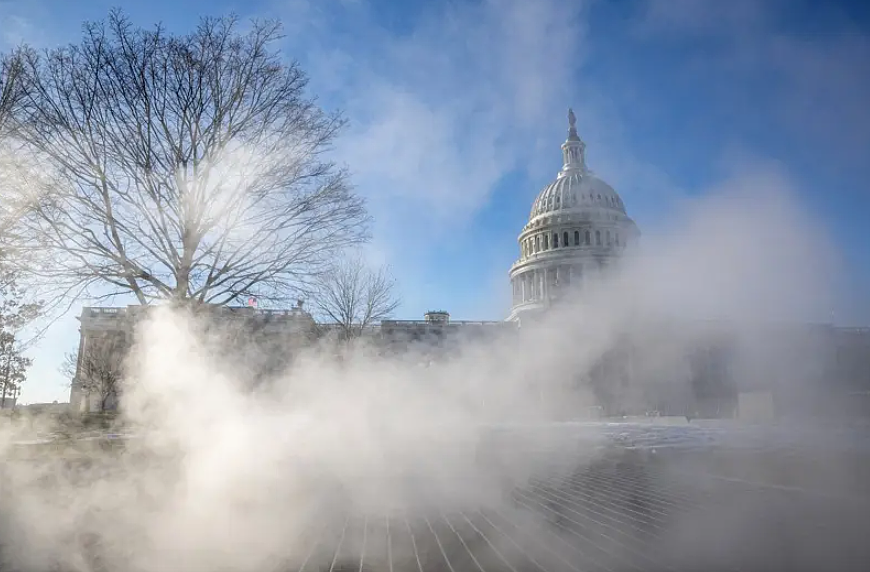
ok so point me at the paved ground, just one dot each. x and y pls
(697, 508)
(618, 514)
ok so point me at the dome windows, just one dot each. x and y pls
(560, 239)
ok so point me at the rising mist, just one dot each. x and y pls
(220, 477)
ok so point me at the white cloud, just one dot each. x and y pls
(445, 110)
(447, 104)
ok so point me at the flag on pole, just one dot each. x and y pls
(252, 302)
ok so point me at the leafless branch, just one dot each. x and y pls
(11, 89)
(352, 296)
(98, 369)
(190, 167)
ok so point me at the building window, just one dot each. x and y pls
(546, 241)
(565, 238)
(588, 238)
(555, 240)
(576, 238)
(537, 243)
(616, 239)
(607, 236)
(597, 238)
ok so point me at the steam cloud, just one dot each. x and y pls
(223, 478)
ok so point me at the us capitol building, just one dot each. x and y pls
(577, 227)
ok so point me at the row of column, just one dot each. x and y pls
(542, 283)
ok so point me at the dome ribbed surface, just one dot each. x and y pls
(576, 191)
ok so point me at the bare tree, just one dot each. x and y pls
(15, 315)
(185, 167)
(353, 296)
(13, 367)
(97, 370)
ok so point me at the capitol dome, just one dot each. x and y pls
(578, 224)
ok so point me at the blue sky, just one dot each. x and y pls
(457, 110)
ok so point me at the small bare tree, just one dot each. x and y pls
(353, 296)
(13, 367)
(16, 313)
(98, 370)
(184, 167)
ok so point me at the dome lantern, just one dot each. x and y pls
(573, 149)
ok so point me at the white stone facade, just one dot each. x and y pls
(577, 226)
